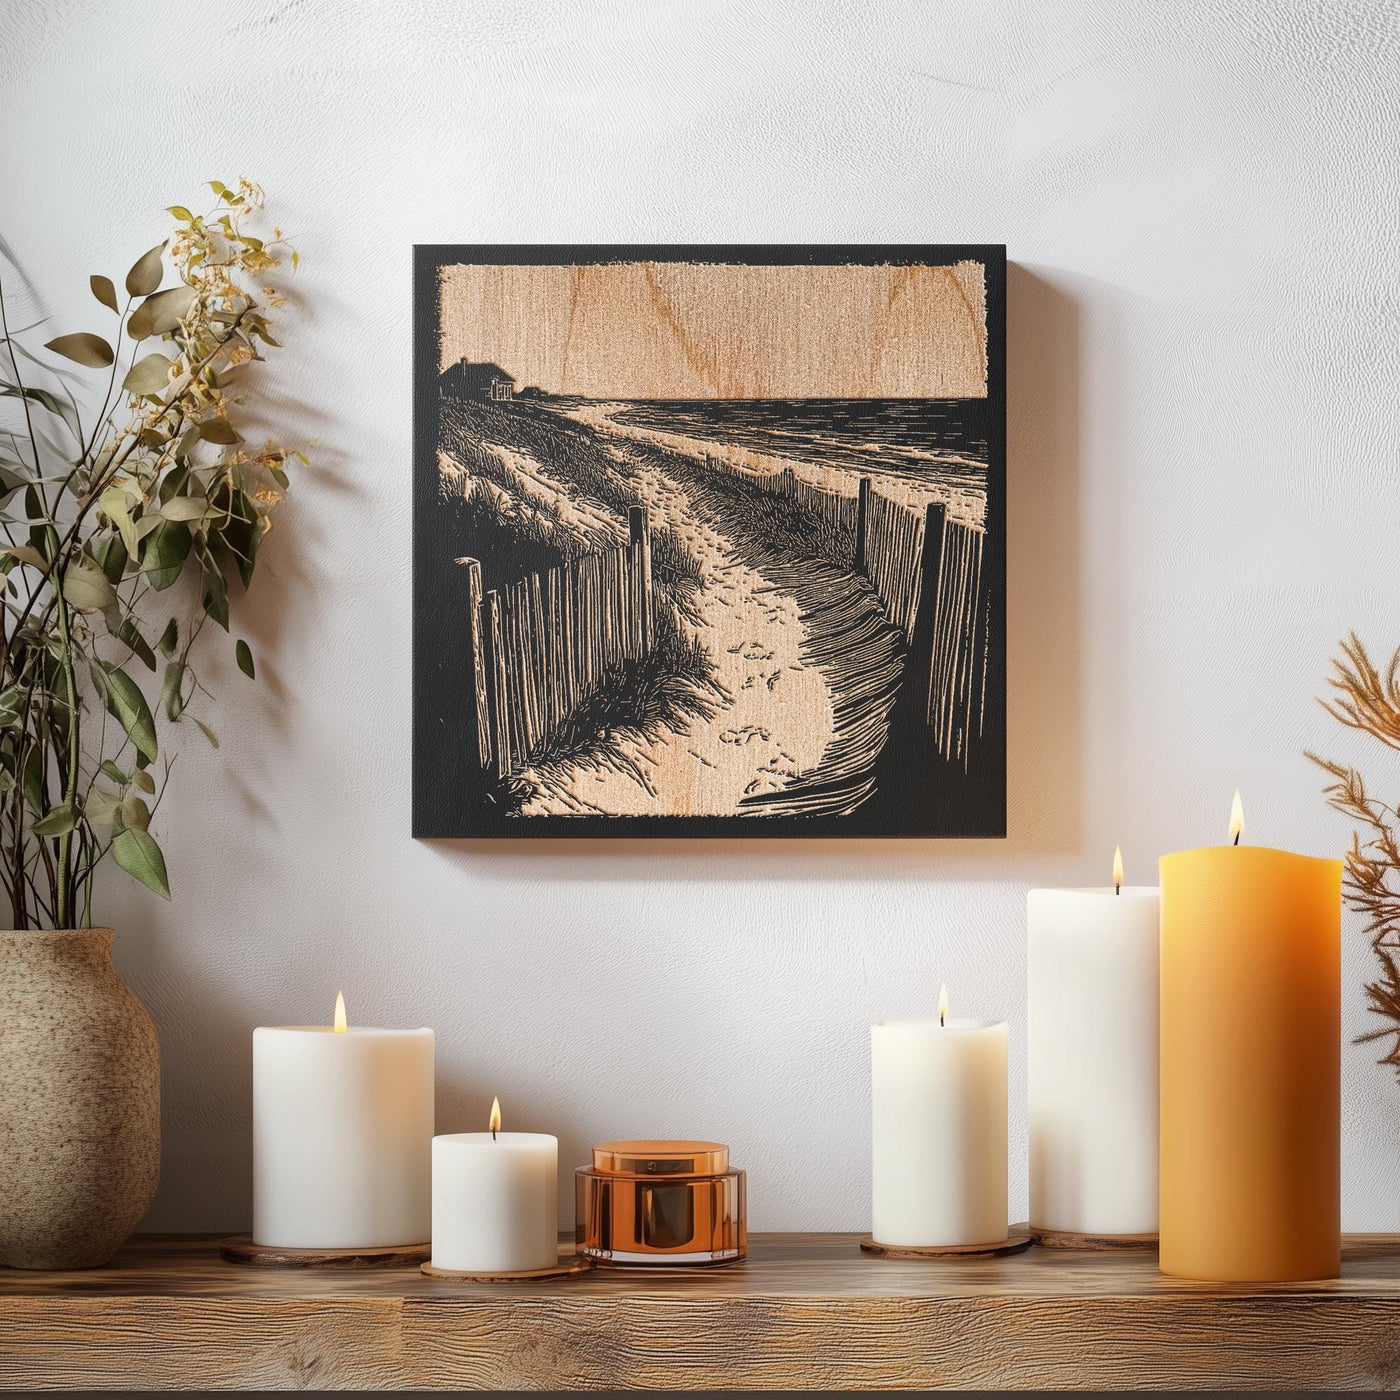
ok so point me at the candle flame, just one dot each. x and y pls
(1236, 819)
(1118, 868)
(495, 1124)
(340, 1012)
(942, 1003)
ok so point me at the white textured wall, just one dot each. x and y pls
(1200, 200)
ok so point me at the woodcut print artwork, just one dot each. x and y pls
(709, 541)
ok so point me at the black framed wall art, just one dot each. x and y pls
(709, 541)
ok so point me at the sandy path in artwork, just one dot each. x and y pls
(778, 718)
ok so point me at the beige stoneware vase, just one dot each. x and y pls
(79, 1101)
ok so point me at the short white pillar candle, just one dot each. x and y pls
(342, 1134)
(1092, 993)
(495, 1201)
(939, 1132)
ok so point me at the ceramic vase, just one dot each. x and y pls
(79, 1101)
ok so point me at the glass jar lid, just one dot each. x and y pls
(662, 1157)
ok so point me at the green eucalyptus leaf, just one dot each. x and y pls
(241, 532)
(11, 706)
(135, 814)
(144, 781)
(129, 633)
(129, 708)
(104, 291)
(216, 597)
(163, 553)
(187, 442)
(88, 590)
(103, 808)
(169, 639)
(149, 375)
(161, 313)
(84, 348)
(170, 695)
(59, 822)
(26, 554)
(43, 397)
(32, 778)
(110, 553)
(114, 773)
(245, 659)
(137, 853)
(146, 273)
(42, 538)
(173, 482)
(116, 506)
(186, 508)
(219, 431)
(208, 733)
(180, 212)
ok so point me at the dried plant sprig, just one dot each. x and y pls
(94, 521)
(1366, 700)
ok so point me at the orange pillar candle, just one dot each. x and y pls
(1250, 1064)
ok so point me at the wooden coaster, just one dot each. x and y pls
(569, 1264)
(240, 1249)
(1018, 1237)
(1070, 1239)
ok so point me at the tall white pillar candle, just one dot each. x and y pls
(1092, 978)
(495, 1201)
(342, 1135)
(939, 1132)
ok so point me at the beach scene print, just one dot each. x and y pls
(704, 546)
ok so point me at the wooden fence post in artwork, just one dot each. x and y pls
(478, 714)
(862, 514)
(639, 539)
(923, 626)
(495, 658)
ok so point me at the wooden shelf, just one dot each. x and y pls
(805, 1311)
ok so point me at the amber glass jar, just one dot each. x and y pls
(660, 1203)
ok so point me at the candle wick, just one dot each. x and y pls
(493, 1135)
(1117, 888)
(1237, 838)
(940, 1018)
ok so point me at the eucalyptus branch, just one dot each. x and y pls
(19, 383)
(172, 491)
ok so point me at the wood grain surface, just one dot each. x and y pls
(1072, 1239)
(803, 1312)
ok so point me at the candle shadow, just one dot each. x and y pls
(206, 1049)
(1043, 636)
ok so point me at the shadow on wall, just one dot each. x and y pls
(1043, 441)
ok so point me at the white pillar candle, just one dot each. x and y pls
(1092, 981)
(495, 1201)
(342, 1135)
(939, 1132)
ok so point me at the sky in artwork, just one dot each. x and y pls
(669, 330)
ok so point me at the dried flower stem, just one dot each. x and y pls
(1366, 700)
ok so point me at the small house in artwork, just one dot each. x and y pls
(477, 381)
